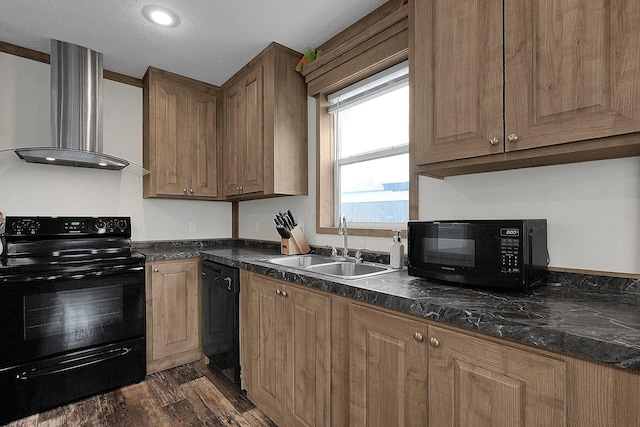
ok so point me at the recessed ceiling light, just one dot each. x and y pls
(161, 16)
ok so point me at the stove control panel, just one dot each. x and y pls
(67, 226)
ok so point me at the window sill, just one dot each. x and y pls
(365, 232)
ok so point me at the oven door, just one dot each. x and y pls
(56, 313)
(461, 252)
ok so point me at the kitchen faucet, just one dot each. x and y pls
(342, 231)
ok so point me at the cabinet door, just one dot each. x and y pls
(232, 141)
(308, 368)
(571, 70)
(173, 325)
(477, 383)
(172, 151)
(264, 339)
(457, 79)
(252, 132)
(203, 145)
(388, 368)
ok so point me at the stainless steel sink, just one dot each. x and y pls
(331, 266)
(349, 270)
(300, 260)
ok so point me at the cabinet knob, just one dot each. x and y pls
(278, 292)
(494, 140)
(513, 137)
(284, 293)
(155, 270)
(184, 190)
(191, 190)
(434, 342)
(418, 336)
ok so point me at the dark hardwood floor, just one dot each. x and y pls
(189, 395)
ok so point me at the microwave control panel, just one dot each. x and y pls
(509, 250)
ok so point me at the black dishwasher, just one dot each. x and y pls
(220, 331)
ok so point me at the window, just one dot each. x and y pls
(371, 159)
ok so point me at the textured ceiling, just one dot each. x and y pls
(214, 40)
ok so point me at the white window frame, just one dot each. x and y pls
(376, 85)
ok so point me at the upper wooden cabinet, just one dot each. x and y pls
(180, 137)
(264, 150)
(243, 149)
(499, 85)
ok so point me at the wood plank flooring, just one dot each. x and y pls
(188, 395)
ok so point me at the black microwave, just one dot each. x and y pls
(506, 254)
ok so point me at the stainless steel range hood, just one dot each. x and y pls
(76, 112)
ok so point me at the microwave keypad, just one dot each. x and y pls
(509, 253)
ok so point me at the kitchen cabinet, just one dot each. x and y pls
(264, 149)
(476, 383)
(388, 369)
(285, 350)
(244, 134)
(180, 145)
(173, 313)
(403, 371)
(499, 85)
(391, 368)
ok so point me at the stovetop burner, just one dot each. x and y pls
(41, 246)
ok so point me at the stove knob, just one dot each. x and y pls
(101, 224)
(121, 224)
(34, 226)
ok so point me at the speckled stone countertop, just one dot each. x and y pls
(594, 317)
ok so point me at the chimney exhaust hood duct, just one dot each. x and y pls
(76, 112)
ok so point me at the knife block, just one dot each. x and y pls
(289, 247)
(296, 244)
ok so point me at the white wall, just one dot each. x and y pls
(34, 189)
(592, 208)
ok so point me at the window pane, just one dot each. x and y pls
(376, 190)
(381, 122)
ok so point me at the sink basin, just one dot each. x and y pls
(349, 270)
(300, 260)
(334, 267)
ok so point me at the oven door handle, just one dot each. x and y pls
(72, 364)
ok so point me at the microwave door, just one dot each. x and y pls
(450, 247)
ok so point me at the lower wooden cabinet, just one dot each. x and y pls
(173, 313)
(285, 350)
(388, 369)
(309, 358)
(478, 383)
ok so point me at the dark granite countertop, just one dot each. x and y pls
(597, 321)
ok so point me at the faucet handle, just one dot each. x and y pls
(334, 251)
(359, 253)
